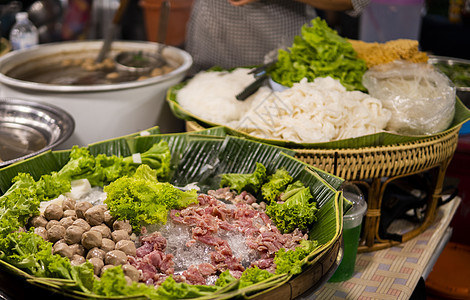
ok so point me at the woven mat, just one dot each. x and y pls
(392, 273)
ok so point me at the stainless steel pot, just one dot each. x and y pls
(100, 111)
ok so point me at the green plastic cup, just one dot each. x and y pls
(352, 222)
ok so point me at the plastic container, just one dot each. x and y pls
(23, 34)
(385, 20)
(180, 11)
(352, 223)
(450, 276)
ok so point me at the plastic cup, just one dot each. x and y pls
(352, 223)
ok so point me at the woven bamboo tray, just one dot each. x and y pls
(376, 167)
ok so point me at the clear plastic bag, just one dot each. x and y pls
(421, 98)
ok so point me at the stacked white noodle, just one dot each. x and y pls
(211, 95)
(314, 112)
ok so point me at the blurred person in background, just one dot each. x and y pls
(233, 33)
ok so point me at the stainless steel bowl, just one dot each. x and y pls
(463, 92)
(28, 128)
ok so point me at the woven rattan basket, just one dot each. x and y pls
(376, 167)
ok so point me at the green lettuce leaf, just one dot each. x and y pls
(319, 52)
(245, 182)
(143, 200)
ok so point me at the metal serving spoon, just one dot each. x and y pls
(140, 62)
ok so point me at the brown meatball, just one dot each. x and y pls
(106, 267)
(108, 218)
(41, 231)
(52, 223)
(81, 207)
(128, 280)
(66, 222)
(77, 249)
(97, 265)
(96, 252)
(68, 204)
(126, 246)
(38, 221)
(82, 223)
(115, 257)
(103, 229)
(122, 225)
(131, 271)
(56, 233)
(95, 215)
(118, 235)
(70, 213)
(63, 250)
(91, 239)
(53, 212)
(77, 260)
(107, 244)
(73, 234)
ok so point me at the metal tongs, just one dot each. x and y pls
(260, 73)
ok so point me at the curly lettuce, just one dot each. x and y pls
(297, 211)
(143, 200)
(319, 52)
(245, 182)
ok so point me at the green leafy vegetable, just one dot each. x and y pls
(225, 278)
(319, 52)
(290, 261)
(170, 289)
(245, 182)
(276, 183)
(298, 211)
(158, 157)
(113, 283)
(253, 275)
(31, 253)
(143, 200)
(21, 201)
(103, 169)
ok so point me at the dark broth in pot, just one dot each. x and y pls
(82, 71)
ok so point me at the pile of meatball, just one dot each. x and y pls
(82, 231)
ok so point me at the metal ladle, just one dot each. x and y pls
(140, 62)
(110, 34)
